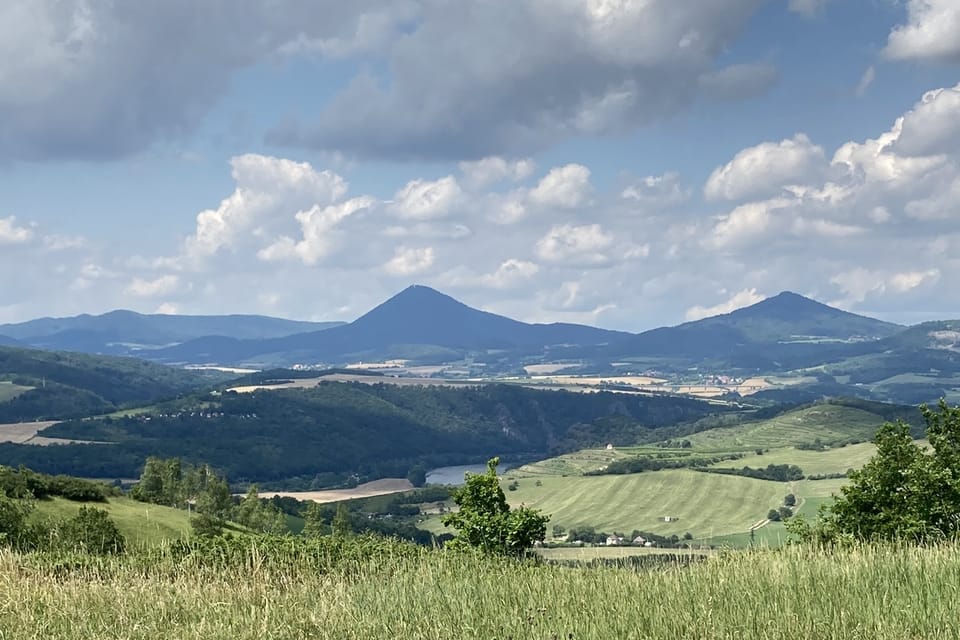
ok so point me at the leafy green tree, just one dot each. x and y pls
(259, 515)
(216, 500)
(13, 519)
(206, 526)
(785, 513)
(417, 475)
(92, 531)
(790, 500)
(773, 515)
(314, 524)
(341, 525)
(485, 521)
(901, 493)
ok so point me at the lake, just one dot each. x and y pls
(454, 475)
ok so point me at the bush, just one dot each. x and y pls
(91, 531)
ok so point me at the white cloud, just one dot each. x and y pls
(743, 298)
(764, 170)
(410, 261)
(744, 224)
(317, 225)
(510, 274)
(494, 169)
(161, 286)
(425, 200)
(575, 244)
(564, 187)
(662, 190)
(933, 125)
(931, 32)
(903, 282)
(11, 233)
(266, 188)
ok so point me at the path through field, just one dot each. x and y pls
(28, 433)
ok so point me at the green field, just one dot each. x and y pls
(9, 391)
(829, 423)
(142, 524)
(704, 504)
(885, 593)
(837, 460)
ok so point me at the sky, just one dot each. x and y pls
(622, 163)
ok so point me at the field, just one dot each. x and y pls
(877, 593)
(22, 432)
(706, 505)
(9, 391)
(381, 487)
(140, 523)
(837, 460)
(827, 422)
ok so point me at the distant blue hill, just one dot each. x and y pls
(128, 332)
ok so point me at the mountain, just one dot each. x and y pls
(127, 332)
(416, 321)
(7, 341)
(785, 325)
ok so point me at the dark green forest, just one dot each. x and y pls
(339, 431)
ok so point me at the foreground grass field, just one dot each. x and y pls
(886, 593)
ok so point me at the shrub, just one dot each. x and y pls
(92, 531)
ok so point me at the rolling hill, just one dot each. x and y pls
(63, 385)
(127, 332)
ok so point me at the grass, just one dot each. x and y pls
(836, 460)
(883, 593)
(701, 503)
(142, 524)
(827, 422)
(9, 391)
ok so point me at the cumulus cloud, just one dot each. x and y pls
(424, 199)
(865, 81)
(317, 225)
(933, 126)
(510, 273)
(564, 187)
(764, 170)
(930, 32)
(743, 298)
(266, 188)
(494, 169)
(408, 261)
(11, 233)
(571, 244)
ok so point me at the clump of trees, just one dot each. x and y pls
(486, 522)
(170, 483)
(775, 472)
(904, 492)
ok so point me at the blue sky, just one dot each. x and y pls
(625, 163)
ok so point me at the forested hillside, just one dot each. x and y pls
(336, 430)
(57, 384)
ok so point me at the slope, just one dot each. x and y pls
(417, 316)
(124, 332)
(76, 385)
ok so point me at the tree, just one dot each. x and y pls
(13, 519)
(341, 525)
(773, 515)
(259, 515)
(785, 513)
(204, 525)
(314, 524)
(417, 475)
(485, 521)
(92, 531)
(901, 493)
(790, 500)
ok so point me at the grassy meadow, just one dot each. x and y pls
(797, 592)
(142, 524)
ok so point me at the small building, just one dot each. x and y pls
(614, 541)
(609, 446)
(639, 541)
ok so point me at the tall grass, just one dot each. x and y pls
(868, 592)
